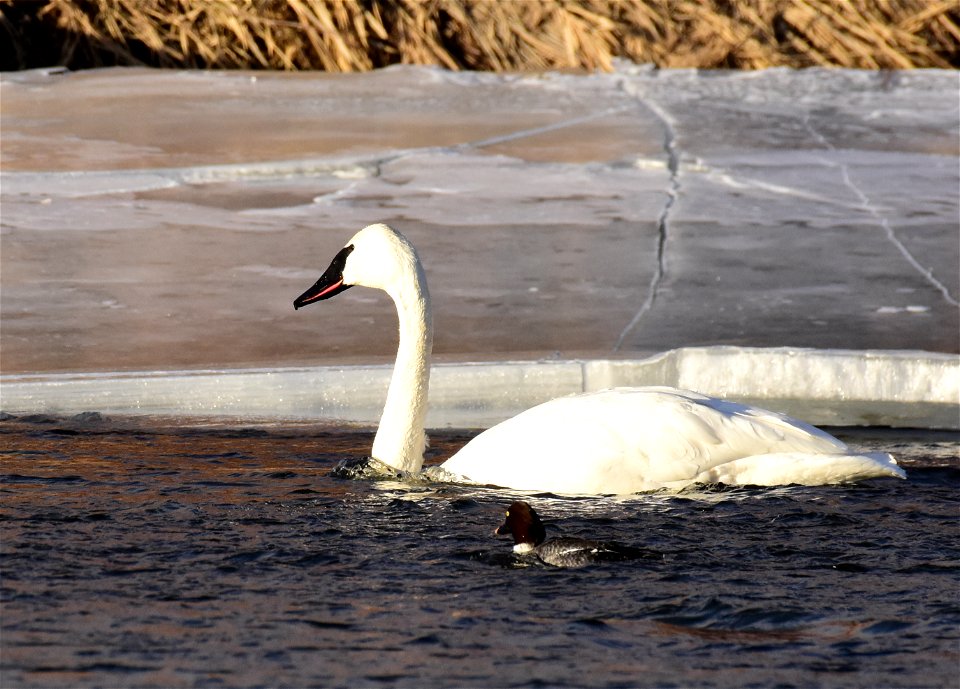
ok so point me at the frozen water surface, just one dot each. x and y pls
(165, 220)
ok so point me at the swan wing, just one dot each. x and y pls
(803, 469)
(627, 440)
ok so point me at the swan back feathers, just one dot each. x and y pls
(626, 440)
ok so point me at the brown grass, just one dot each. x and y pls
(498, 35)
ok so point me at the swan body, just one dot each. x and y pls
(628, 440)
(618, 441)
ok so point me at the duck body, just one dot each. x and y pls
(617, 441)
(573, 552)
(530, 540)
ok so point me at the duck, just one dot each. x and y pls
(611, 442)
(530, 540)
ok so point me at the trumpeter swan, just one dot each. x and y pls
(617, 441)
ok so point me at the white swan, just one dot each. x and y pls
(618, 441)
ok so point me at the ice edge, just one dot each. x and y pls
(825, 387)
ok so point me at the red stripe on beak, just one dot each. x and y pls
(320, 295)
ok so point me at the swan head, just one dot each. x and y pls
(377, 256)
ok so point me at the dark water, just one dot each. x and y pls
(139, 553)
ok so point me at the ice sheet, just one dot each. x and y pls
(155, 220)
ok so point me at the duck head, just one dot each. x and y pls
(523, 523)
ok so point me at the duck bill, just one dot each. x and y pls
(502, 530)
(330, 283)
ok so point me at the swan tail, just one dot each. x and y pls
(803, 469)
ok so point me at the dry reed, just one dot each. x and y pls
(356, 35)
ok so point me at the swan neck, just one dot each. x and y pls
(400, 439)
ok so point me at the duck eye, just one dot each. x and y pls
(507, 513)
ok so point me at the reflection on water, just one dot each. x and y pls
(143, 553)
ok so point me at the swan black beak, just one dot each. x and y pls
(330, 283)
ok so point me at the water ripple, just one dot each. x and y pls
(174, 556)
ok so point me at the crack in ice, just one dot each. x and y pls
(534, 131)
(673, 190)
(882, 220)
